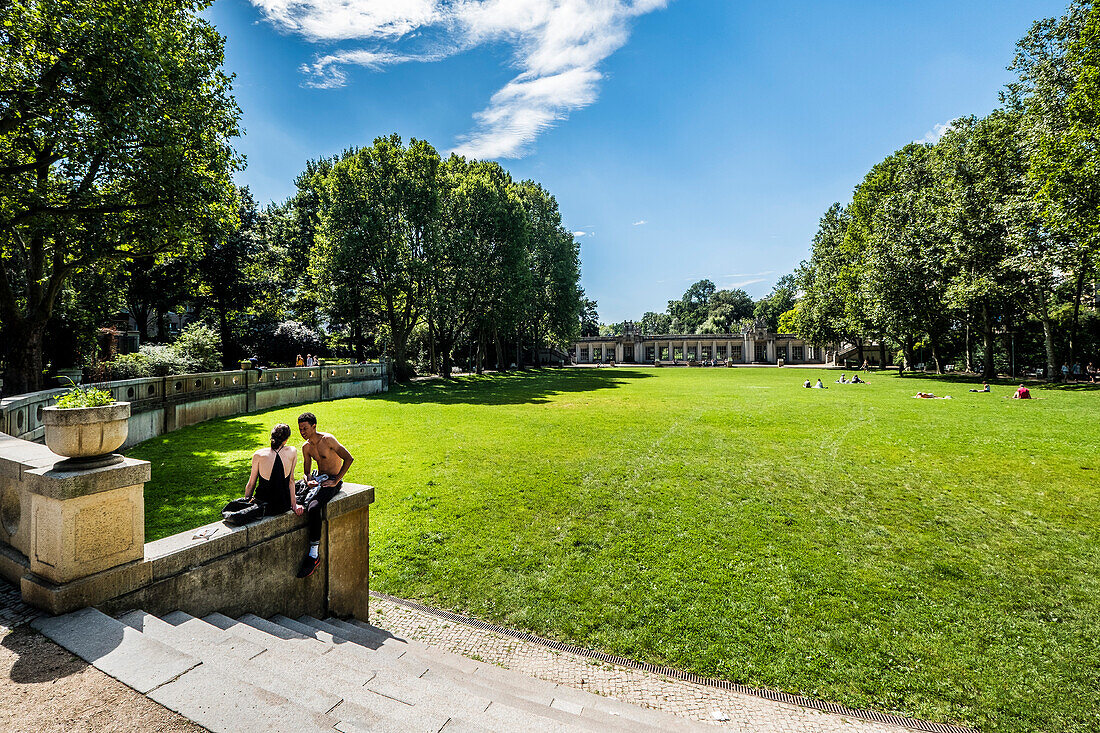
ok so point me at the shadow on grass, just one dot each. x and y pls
(189, 486)
(963, 378)
(511, 388)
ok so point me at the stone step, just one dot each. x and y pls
(116, 649)
(389, 656)
(364, 633)
(191, 636)
(223, 704)
(544, 691)
(262, 669)
(513, 701)
(518, 692)
(286, 668)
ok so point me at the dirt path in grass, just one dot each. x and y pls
(44, 689)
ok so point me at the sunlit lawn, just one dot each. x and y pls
(937, 558)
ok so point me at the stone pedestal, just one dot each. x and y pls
(83, 522)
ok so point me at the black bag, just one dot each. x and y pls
(306, 493)
(242, 511)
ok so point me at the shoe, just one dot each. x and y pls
(309, 564)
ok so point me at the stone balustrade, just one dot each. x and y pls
(162, 404)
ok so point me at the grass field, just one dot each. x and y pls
(937, 558)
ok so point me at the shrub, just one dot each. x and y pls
(163, 360)
(200, 347)
(126, 366)
(290, 339)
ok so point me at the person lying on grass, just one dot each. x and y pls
(929, 396)
(333, 461)
(985, 388)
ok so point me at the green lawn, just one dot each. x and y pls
(937, 558)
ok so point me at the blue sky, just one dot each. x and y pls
(683, 139)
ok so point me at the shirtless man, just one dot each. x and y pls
(333, 461)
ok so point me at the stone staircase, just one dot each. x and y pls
(282, 674)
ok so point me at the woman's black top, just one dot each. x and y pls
(273, 491)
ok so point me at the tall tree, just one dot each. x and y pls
(901, 244)
(115, 121)
(983, 169)
(1058, 64)
(380, 214)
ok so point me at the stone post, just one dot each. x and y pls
(86, 529)
(251, 377)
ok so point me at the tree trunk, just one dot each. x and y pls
(500, 351)
(480, 355)
(24, 364)
(934, 346)
(446, 358)
(859, 351)
(969, 360)
(431, 346)
(224, 335)
(907, 354)
(1077, 292)
(987, 342)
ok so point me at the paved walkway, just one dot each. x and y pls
(13, 612)
(725, 709)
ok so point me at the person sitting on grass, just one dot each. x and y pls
(819, 385)
(807, 384)
(985, 388)
(857, 380)
(333, 461)
(272, 477)
(1023, 393)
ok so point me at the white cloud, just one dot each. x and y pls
(640, 222)
(559, 45)
(746, 283)
(933, 136)
(580, 234)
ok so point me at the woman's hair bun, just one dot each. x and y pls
(279, 435)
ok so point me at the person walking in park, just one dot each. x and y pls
(1065, 373)
(320, 485)
(300, 362)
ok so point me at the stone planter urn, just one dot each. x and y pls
(87, 435)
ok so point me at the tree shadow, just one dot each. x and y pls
(191, 479)
(1003, 381)
(38, 659)
(511, 388)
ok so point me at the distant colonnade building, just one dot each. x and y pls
(755, 345)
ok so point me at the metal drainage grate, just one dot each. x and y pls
(776, 696)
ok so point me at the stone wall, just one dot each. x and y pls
(162, 404)
(75, 538)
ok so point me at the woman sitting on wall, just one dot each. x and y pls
(276, 489)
